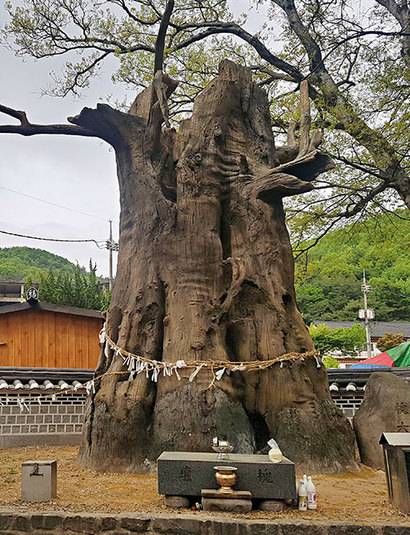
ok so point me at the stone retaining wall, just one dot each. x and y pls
(75, 524)
(55, 422)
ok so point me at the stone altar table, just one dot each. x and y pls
(187, 473)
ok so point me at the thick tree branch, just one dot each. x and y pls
(25, 128)
(337, 104)
(162, 32)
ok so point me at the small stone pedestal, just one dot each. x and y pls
(38, 481)
(236, 501)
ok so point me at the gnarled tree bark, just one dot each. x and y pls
(205, 272)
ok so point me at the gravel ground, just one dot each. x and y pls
(355, 497)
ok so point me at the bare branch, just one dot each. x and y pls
(28, 129)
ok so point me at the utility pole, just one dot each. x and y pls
(111, 245)
(366, 314)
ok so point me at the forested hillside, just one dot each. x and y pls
(329, 276)
(28, 262)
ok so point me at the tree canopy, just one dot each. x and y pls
(355, 58)
(346, 340)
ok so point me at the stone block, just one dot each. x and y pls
(21, 523)
(108, 523)
(134, 524)
(177, 501)
(275, 506)
(385, 409)
(80, 524)
(46, 521)
(6, 520)
(39, 481)
(187, 473)
(221, 504)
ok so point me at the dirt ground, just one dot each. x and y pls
(356, 497)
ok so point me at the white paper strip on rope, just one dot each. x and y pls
(102, 335)
(195, 373)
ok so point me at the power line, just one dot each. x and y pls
(53, 203)
(55, 239)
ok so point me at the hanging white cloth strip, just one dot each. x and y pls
(102, 335)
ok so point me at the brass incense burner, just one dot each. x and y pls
(225, 477)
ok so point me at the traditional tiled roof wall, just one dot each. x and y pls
(29, 412)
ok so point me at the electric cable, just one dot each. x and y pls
(53, 204)
(97, 243)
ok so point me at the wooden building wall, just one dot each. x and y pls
(44, 339)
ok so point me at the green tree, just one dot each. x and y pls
(330, 362)
(389, 340)
(78, 289)
(347, 340)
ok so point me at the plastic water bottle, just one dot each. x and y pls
(311, 494)
(302, 492)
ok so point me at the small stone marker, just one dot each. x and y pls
(38, 481)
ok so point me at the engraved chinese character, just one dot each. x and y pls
(185, 473)
(401, 408)
(402, 428)
(264, 476)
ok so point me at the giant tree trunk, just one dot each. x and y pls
(205, 272)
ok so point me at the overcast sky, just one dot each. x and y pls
(75, 172)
